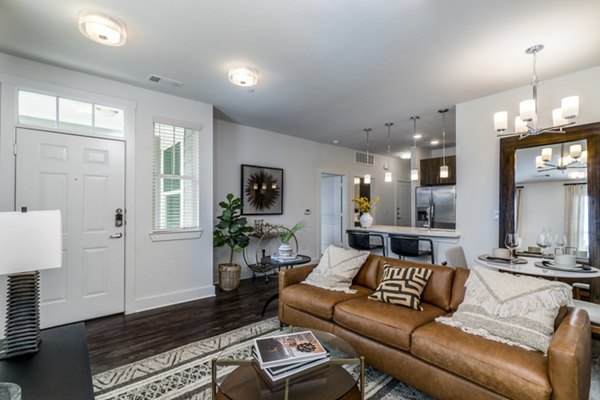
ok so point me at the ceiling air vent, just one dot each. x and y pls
(162, 80)
(363, 158)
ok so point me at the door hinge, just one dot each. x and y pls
(14, 149)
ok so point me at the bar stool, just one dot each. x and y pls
(362, 241)
(409, 246)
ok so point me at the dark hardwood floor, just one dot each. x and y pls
(121, 339)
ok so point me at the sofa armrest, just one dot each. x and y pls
(570, 357)
(288, 277)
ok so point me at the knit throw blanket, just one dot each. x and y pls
(517, 310)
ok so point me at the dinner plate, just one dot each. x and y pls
(576, 268)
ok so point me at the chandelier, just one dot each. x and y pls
(526, 121)
(575, 159)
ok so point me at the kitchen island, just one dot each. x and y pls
(441, 238)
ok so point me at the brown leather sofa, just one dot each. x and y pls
(438, 359)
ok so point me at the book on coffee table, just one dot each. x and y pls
(292, 348)
(276, 374)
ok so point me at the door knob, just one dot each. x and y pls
(117, 235)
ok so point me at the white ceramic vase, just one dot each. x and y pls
(366, 220)
(285, 250)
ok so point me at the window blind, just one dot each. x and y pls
(176, 178)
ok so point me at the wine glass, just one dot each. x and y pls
(544, 240)
(512, 241)
(561, 242)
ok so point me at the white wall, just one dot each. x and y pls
(302, 162)
(477, 149)
(157, 273)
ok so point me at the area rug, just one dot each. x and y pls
(185, 374)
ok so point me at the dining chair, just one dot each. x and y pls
(593, 311)
(455, 257)
(409, 246)
(362, 241)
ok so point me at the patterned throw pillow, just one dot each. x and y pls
(402, 286)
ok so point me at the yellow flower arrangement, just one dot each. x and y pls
(364, 205)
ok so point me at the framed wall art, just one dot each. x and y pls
(262, 190)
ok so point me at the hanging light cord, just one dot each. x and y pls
(367, 130)
(389, 124)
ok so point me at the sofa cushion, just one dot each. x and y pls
(337, 268)
(508, 370)
(318, 301)
(439, 286)
(368, 275)
(402, 286)
(383, 322)
(458, 287)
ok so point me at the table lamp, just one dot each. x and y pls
(29, 242)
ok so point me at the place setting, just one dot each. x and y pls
(505, 255)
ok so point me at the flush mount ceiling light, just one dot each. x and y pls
(243, 76)
(102, 28)
(526, 122)
(435, 142)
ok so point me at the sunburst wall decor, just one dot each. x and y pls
(262, 190)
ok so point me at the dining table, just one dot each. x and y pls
(533, 266)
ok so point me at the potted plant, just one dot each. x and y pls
(231, 231)
(286, 234)
(364, 206)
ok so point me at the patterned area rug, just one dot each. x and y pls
(184, 373)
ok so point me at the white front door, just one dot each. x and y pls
(403, 199)
(332, 214)
(85, 179)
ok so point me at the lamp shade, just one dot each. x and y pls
(30, 241)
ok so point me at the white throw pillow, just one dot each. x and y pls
(337, 268)
(512, 309)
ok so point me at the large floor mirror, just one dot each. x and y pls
(552, 182)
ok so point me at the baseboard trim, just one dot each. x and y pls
(169, 299)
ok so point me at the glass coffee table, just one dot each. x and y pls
(235, 377)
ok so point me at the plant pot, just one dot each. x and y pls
(229, 276)
(366, 220)
(285, 250)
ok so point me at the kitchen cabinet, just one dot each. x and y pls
(429, 171)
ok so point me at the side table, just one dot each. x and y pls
(299, 260)
(59, 371)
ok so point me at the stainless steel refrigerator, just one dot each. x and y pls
(436, 207)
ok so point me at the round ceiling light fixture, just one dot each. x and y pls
(102, 28)
(243, 76)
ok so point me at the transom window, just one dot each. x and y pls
(56, 112)
(176, 178)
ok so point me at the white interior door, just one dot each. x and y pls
(332, 212)
(85, 179)
(403, 199)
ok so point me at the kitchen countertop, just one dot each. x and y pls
(411, 231)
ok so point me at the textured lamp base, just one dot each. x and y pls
(22, 330)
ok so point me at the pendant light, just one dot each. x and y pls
(367, 178)
(444, 167)
(388, 173)
(414, 171)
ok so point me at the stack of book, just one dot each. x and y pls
(288, 356)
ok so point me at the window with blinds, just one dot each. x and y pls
(176, 178)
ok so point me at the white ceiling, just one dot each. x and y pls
(327, 69)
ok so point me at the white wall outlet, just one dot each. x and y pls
(496, 215)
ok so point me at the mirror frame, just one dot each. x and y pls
(508, 148)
